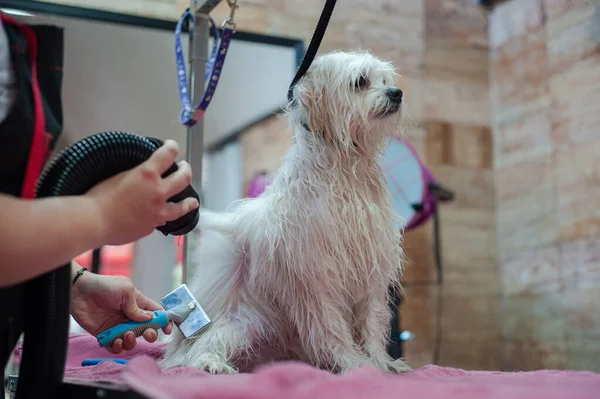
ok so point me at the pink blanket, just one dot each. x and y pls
(299, 381)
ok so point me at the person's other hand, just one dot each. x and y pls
(133, 203)
(100, 302)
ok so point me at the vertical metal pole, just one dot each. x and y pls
(198, 56)
(149, 273)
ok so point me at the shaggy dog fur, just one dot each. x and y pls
(303, 271)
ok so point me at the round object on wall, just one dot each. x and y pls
(408, 180)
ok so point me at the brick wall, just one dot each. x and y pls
(545, 91)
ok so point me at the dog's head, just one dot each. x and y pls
(349, 98)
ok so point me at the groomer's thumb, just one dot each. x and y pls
(130, 306)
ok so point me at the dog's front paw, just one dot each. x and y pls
(213, 364)
(348, 361)
(219, 368)
(390, 365)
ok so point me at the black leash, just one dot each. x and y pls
(313, 47)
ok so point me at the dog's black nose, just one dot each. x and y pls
(395, 95)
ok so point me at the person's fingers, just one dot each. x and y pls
(146, 303)
(129, 341)
(175, 210)
(117, 346)
(150, 335)
(177, 181)
(168, 328)
(164, 156)
(129, 305)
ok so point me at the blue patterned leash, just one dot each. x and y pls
(191, 115)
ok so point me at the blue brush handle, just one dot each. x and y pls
(95, 361)
(108, 336)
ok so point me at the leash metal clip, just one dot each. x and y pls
(229, 21)
(214, 66)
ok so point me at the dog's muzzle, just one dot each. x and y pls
(395, 95)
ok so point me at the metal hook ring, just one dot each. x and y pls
(229, 22)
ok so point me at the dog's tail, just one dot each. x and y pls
(221, 222)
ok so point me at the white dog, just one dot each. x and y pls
(303, 271)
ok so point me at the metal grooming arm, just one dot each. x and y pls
(198, 55)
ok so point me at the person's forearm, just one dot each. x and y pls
(39, 235)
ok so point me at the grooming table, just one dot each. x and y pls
(299, 381)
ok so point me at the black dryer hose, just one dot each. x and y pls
(74, 171)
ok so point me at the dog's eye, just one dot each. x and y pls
(362, 82)
(384, 83)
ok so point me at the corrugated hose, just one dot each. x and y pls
(74, 171)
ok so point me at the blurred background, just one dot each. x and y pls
(504, 106)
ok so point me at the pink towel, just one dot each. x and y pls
(299, 381)
(85, 346)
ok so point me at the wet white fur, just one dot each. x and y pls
(303, 271)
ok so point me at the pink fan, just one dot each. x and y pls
(410, 183)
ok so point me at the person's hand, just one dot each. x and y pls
(100, 302)
(133, 203)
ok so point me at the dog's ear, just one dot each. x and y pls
(310, 99)
(313, 97)
(303, 92)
